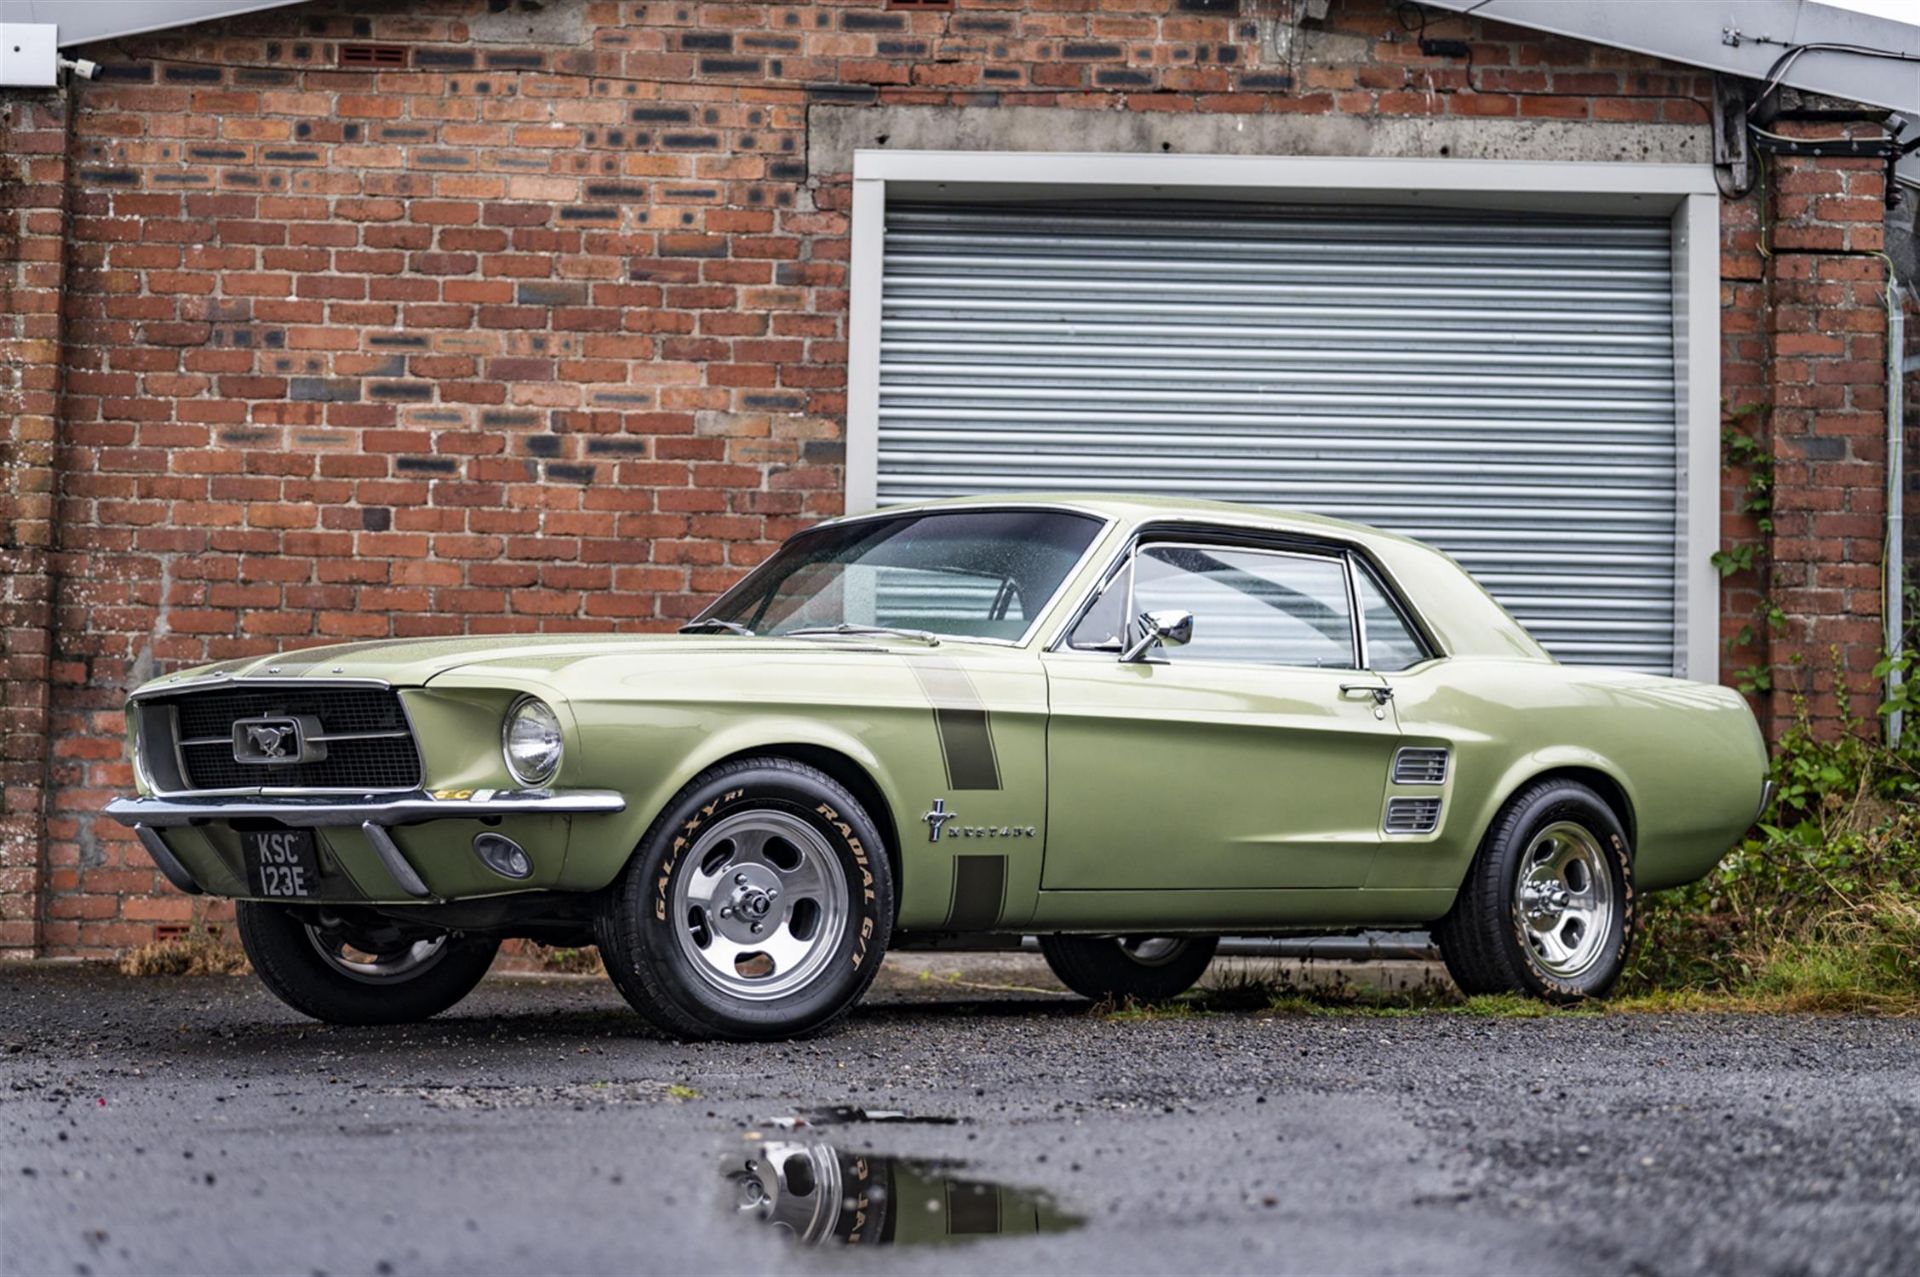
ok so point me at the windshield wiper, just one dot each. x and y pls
(888, 631)
(715, 623)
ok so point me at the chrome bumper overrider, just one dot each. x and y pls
(306, 811)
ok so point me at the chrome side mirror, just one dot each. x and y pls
(1169, 627)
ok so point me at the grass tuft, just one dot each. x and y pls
(195, 953)
(568, 961)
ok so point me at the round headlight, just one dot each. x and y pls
(532, 742)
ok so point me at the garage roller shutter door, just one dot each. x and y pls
(1500, 385)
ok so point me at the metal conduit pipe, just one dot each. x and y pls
(1896, 498)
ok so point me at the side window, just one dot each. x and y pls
(1390, 642)
(1105, 626)
(1249, 605)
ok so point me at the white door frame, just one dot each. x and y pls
(1685, 192)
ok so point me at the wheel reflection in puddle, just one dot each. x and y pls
(820, 1195)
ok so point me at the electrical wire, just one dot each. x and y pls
(1771, 136)
(1785, 62)
(1899, 179)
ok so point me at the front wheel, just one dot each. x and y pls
(356, 967)
(1547, 908)
(1116, 968)
(758, 906)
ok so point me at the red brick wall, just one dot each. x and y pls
(547, 330)
(1827, 335)
(33, 250)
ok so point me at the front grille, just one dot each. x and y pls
(1414, 765)
(1413, 815)
(369, 745)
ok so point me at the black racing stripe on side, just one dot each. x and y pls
(979, 883)
(967, 742)
(962, 722)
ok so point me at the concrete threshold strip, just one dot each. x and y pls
(1367, 946)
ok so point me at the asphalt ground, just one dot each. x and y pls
(197, 1126)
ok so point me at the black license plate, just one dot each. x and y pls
(281, 862)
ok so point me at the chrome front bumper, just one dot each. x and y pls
(311, 811)
(374, 814)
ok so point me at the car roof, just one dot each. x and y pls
(1133, 509)
(1453, 607)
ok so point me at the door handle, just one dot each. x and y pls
(1380, 692)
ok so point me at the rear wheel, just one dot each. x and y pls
(1548, 905)
(758, 906)
(1115, 968)
(356, 967)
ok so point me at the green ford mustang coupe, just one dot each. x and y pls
(1125, 726)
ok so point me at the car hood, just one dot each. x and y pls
(415, 662)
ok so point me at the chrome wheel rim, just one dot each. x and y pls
(760, 904)
(403, 962)
(1151, 951)
(796, 1189)
(1564, 900)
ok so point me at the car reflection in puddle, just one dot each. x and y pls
(821, 1195)
(850, 1114)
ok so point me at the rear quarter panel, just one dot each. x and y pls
(1688, 758)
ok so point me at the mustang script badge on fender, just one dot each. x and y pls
(937, 826)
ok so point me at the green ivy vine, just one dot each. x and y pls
(1743, 448)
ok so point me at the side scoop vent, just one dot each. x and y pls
(1413, 815)
(1414, 765)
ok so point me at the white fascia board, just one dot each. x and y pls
(1739, 37)
(84, 21)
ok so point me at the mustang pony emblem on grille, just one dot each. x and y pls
(273, 741)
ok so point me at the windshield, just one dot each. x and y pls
(958, 574)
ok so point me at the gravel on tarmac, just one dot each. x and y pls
(197, 1126)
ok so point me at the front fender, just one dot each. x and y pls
(600, 848)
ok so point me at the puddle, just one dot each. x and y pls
(820, 1195)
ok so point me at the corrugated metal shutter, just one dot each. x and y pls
(1500, 385)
